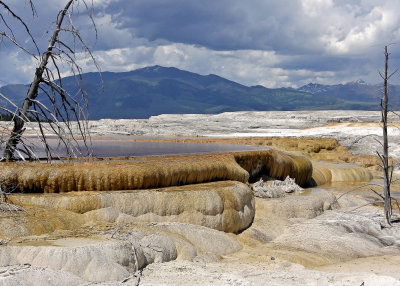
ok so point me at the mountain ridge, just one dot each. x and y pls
(155, 90)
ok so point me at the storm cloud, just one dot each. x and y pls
(272, 43)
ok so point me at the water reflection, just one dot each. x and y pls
(110, 147)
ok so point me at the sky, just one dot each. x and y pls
(274, 43)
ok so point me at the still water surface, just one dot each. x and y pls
(123, 148)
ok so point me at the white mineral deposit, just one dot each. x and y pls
(213, 233)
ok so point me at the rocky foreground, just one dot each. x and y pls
(133, 223)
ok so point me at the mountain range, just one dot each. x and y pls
(157, 90)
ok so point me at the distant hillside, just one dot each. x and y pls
(355, 93)
(156, 90)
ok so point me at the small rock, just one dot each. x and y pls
(276, 189)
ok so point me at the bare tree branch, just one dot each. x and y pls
(7, 8)
(63, 107)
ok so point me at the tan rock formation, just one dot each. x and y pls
(324, 172)
(138, 173)
(226, 206)
(102, 258)
(153, 172)
(316, 148)
(276, 164)
(342, 235)
(37, 221)
(274, 215)
(91, 260)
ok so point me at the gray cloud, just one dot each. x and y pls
(315, 40)
(219, 25)
(288, 26)
(274, 43)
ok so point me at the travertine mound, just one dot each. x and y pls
(276, 164)
(96, 258)
(95, 261)
(299, 206)
(325, 173)
(274, 215)
(139, 173)
(205, 240)
(315, 147)
(343, 235)
(21, 275)
(153, 172)
(242, 273)
(37, 220)
(308, 146)
(226, 206)
(112, 257)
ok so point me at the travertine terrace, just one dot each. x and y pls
(193, 219)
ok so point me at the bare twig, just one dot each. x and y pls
(64, 107)
(4, 205)
(364, 205)
(355, 189)
(362, 138)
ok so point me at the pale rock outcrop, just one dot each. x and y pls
(24, 275)
(279, 273)
(158, 248)
(343, 235)
(299, 206)
(276, 188)
(113, 257)
(273, 216)
(95, 261)
(324, 172)
(226, 206)
(206, 240)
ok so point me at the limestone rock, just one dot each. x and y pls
(92, 261)
(300, 206)
(226, 206)
(245, 274)
(326, 173)
(274, 216)
(206, 258)
(343, 234)
(144, 172)
(104, 259)
(38, 220)
(276, 189)
(21, 275)
(158, 248)
(205, 239)
(288, 185)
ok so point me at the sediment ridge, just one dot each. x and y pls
(154, 172)
(226, 206)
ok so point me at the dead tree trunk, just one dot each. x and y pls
(387, 170)
(19, 120)
(57, 110)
